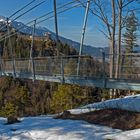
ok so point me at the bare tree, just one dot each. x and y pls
(109, 20)
(112, 14)
(112, 48)
(110, 23)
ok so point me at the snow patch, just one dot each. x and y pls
(2, 20)
(130, 103)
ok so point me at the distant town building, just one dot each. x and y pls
(47, 36)
(13, 29)
(31, 36)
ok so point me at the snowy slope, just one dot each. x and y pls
(21, 27)
(130, 103)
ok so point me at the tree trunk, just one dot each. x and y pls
(112, 48)
(118, 61)
(118, 65)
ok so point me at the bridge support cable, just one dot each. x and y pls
(21, 9)
(2, 57)
(56, 26)
(31, 62)
(28, 10)
(11, 48)
(83, 36)
(50, 17)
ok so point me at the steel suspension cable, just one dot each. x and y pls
(3, 37)
(19, 11)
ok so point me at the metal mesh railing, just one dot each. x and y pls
(129, 66)
(55, 66)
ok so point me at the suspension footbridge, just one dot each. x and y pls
(78, 69)
(93, 71)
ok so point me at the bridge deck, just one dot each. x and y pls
(124, 84)
(92, 72)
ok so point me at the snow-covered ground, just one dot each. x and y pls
(47, 128)
(130, 103)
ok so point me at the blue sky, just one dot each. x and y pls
(70, 23)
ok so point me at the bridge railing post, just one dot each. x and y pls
(62, 69)
(14, 67)
(103, 65)
(33, 69)
(11, 47)
(31, 52)
(1, 66)
(50, 66)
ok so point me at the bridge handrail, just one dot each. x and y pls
(124, 54)
(49, 57)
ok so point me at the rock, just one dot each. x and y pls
(12, 119)
(66, 114)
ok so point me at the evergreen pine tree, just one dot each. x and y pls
(130, 36)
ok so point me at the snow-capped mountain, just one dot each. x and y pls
(21, 27)
(40, 31)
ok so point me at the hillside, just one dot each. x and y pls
(40, 31)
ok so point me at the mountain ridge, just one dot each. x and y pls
(40, 31)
